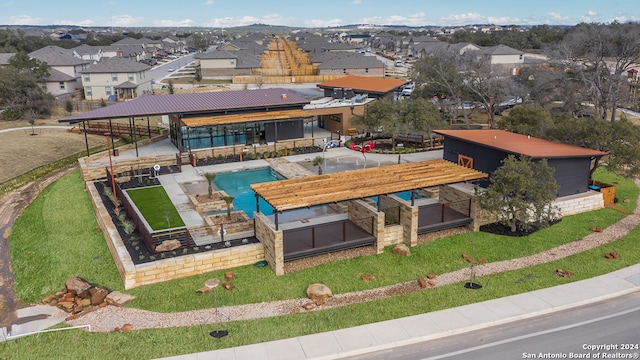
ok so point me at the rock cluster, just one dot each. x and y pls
(563, 273)
(612, 255)
(80, 297)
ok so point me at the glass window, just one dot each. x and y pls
(88, 91)
(107, 90)
(130, 76)
(61, 84)
(114, 76)
(87, 77)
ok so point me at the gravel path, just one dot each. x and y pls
(111, 317)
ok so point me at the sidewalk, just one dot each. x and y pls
(414, 329)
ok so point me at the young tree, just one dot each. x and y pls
(229, 201)
(171, 86)
(210, 177)
(318, 161)
(521, 193)
(197, 76)
(68, 106)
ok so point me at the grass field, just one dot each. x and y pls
(156, 207)
(58, 230)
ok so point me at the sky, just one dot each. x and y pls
(317, 13)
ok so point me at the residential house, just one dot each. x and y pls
(504, 60)
(224, 65)
(330, 63)
(96, 53)
(65, 69)
(348, 96)
(4, 59)
(117, 79)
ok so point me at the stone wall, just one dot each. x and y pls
(369, 219)
(390, 235)
(459, 194)
(579, 203)
(272, 240)
(167, 269)
(407, 219)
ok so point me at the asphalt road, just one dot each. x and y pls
(607, 329)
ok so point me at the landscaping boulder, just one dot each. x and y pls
(402, 250)
(319, 292)
(168, 245)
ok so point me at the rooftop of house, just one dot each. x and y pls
(520, 144)
(56, 56)
(364, 84)
(117, 65)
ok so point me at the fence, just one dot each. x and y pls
(118, 129)
(82, 105)
(151, 239)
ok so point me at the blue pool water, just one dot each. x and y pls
(237, 184)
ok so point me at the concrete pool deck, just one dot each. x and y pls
(288, 166)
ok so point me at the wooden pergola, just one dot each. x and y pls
(357, 184)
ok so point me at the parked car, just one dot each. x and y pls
(408, 89)
(150, 62)
(171, 69)
(466, 106)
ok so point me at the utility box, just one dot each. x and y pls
(608, 191)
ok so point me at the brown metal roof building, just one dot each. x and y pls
(484, 150)
(212, 119)
(373, 86)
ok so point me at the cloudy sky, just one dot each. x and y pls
(321, 13)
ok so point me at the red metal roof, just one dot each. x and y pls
(520, 144)
(206, 102)
(364, 83)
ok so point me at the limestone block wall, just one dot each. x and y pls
(390, 235)
(272, 240)
(407, 219)
(369, 219)
(568, 205)
(575, 204)
(167, 269)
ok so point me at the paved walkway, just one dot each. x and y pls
(414, 329)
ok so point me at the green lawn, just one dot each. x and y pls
(156, 207)
(56, 239)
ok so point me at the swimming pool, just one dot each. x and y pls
(238, 185)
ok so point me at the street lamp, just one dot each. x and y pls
(212, 284)
(113, 181)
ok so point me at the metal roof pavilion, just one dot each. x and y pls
(221, 102)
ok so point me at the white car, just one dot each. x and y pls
(171, 69)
